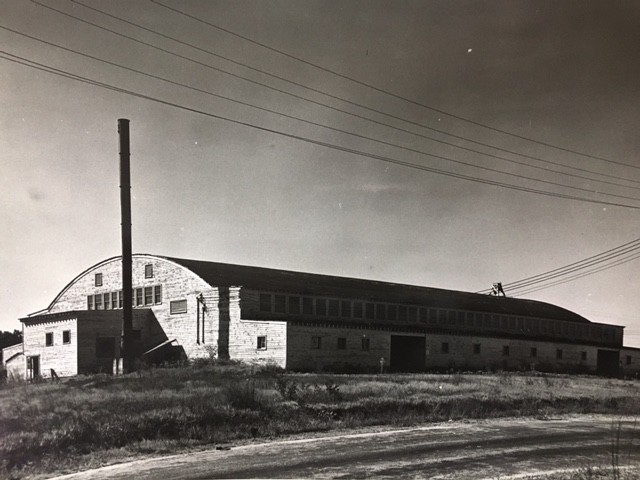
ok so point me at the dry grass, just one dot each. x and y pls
(88, 421)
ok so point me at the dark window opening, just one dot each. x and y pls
(534, 352)
(402, 313)
(357, 310)
(279, 303)
(321, 306)
(381, 311)
(505, 351)
(107, 301)
(444, 348)
(98, 301)
(90, 302)
(583, 356)
(98, 280)
(334, 307)
(262, 342)
(345, 308)
(316, 343)
(48, 339)
(294, 305)
(392, 312)
(307, 305)
(66, 336)
(559, 354)
(366, 344)
(148, 271)
(476, 349)
(114, 300)
(628, 359)
(369, 311)
(342, 343)
(265, 302)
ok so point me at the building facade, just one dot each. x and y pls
(304, 321)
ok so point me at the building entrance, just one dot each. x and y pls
(407, 353)
(608, 363)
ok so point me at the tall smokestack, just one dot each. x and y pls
(125, 208)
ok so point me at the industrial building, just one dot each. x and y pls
(304, 321)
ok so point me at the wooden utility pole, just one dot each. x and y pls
(125, 208)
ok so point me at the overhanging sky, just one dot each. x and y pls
(565, 73)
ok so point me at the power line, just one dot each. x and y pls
(577, 268)
(580, 264)
(386, 92)
(284, 92)
(11, 57)
(576, 277)
(413, 150)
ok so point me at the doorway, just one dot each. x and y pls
(33, 367)
(407, 353)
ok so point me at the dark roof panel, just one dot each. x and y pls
(258, 278)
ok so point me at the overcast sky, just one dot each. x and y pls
(563, 73)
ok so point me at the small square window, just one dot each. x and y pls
(178, 306)
(366, 344)
(534, 352)
(559, 354)
(262, 342)
(98, 281)
(316, 343)
(444, 348)
(148, 271)
(505, 350)
(66, 336)
(342, 343)
(48, 339)
(476, 349)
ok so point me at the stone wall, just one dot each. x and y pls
(178, 283)
(244, 333)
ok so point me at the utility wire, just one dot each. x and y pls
(619, 250)
(386, 92)
(577, 268)
(14, 58)
(576, 277)
(413, 150)
(338, 98)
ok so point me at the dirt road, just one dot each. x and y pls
(493, 449)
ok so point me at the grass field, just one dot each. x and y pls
(90, 421)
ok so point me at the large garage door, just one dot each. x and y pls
(608, 363)
(407, 353)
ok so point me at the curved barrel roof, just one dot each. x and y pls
(268, 279)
